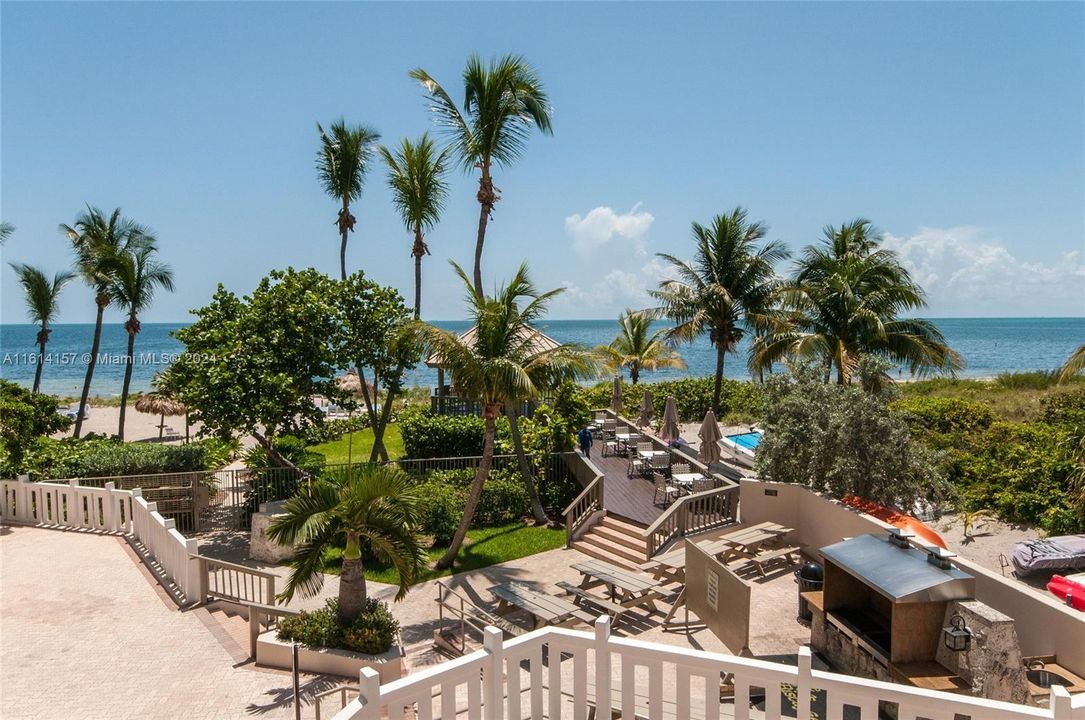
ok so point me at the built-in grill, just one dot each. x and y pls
(890, 597)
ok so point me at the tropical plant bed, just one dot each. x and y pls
(273, 652)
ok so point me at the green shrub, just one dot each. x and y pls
(25, 418)
(372, 633)
(440, 508)
(426, 435)
(49, 459)
(1064, 408)
(946, 415)
(1032, 380)
(504, 499)
(330, 430)
(218, 452)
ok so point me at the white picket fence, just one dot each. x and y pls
(106, 509)
(523, 678)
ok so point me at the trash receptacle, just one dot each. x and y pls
(810, 578)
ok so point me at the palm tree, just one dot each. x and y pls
(1074, 365)
(845, 300)
(97, 242)
(726, 290)
(501, 364)
(135, 279)
(6, 229)
(416, 175)
(341, 165)
(41, 305)
(372, 509)
(502, 101)
(638, 348)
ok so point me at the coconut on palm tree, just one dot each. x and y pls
(136, 277)
(341, 164)
(372, 510)
(416, 176)
(846, 300)
(502, 101)
(499, 364)
(638, 349)
(1074, 365)
(728, 288)
(41, 305)
(97, 242)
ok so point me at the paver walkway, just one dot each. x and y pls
(84, 633)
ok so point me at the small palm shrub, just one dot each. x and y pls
(372, 633)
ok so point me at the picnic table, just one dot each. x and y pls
(627, 590)
(671, 566)
(544, 608)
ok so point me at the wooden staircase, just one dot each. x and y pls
(618, 542)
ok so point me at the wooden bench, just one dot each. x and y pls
(610, 608)
(762, 559)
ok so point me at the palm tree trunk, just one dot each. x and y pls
(486, 200)
(352, 590)
(90, 368)
(476, 492)
(42, 337)
(634, 373)
(419, 250)
(128, 361)
(718, 389)
(343, 230)
(537, 508)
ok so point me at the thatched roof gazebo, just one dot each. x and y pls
(158, 403)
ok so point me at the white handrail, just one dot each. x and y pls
(494, 679)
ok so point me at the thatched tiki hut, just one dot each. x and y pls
(158, 403)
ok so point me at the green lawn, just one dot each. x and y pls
(484, 547)
(338, 451)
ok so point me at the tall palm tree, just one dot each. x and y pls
(41, 305)
(136, 278)
(637, 348)
(341, 165)
(726, 290)
(416, 175)
(845, 300)
(501, 364)
(1074, 364)
(97, 242)
(372, 509)
(6, 229)
(502, 101)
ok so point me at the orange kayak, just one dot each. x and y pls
(896, 519)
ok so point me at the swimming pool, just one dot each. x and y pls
(747, 440)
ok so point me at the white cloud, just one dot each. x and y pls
(602, 225)
(966, 273)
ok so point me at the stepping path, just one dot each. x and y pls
(85, 632)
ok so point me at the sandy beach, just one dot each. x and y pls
(138, 427)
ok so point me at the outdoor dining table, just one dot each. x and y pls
(686, 480)
(546, 609)
(629, 589)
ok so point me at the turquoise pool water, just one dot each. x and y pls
(747, 440)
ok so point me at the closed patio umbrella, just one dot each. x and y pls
(646, 411)
(669, 432)
(616, 396)
(710, 438)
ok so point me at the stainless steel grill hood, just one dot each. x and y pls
(901, 574)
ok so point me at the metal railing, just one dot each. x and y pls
(548, 671)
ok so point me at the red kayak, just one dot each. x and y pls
(1061, 587)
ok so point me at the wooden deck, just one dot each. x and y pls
(625, 497)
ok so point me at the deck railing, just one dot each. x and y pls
(690, 515)
(68, 505)
(221, 580)
(583, 507)
(174, 554)
(524, 677)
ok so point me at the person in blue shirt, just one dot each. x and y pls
(584, 439)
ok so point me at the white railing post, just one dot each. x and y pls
(369, 693)
(22, 499)
(1060, 703)
(602, 667)
(493, 689)
(192, 572)
(803, 685)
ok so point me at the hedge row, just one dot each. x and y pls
(693, 397)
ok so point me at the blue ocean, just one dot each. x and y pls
(989, 345)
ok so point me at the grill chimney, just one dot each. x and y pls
(939, 557)
(900, 537)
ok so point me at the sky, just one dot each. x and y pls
(956, 128)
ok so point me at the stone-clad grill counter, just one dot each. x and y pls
(883, 604)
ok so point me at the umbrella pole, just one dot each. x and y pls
(186, 427)
(161, 425)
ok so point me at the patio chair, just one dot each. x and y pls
(680, 468)
(660, 464)
(704, 485)
(663, 490)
